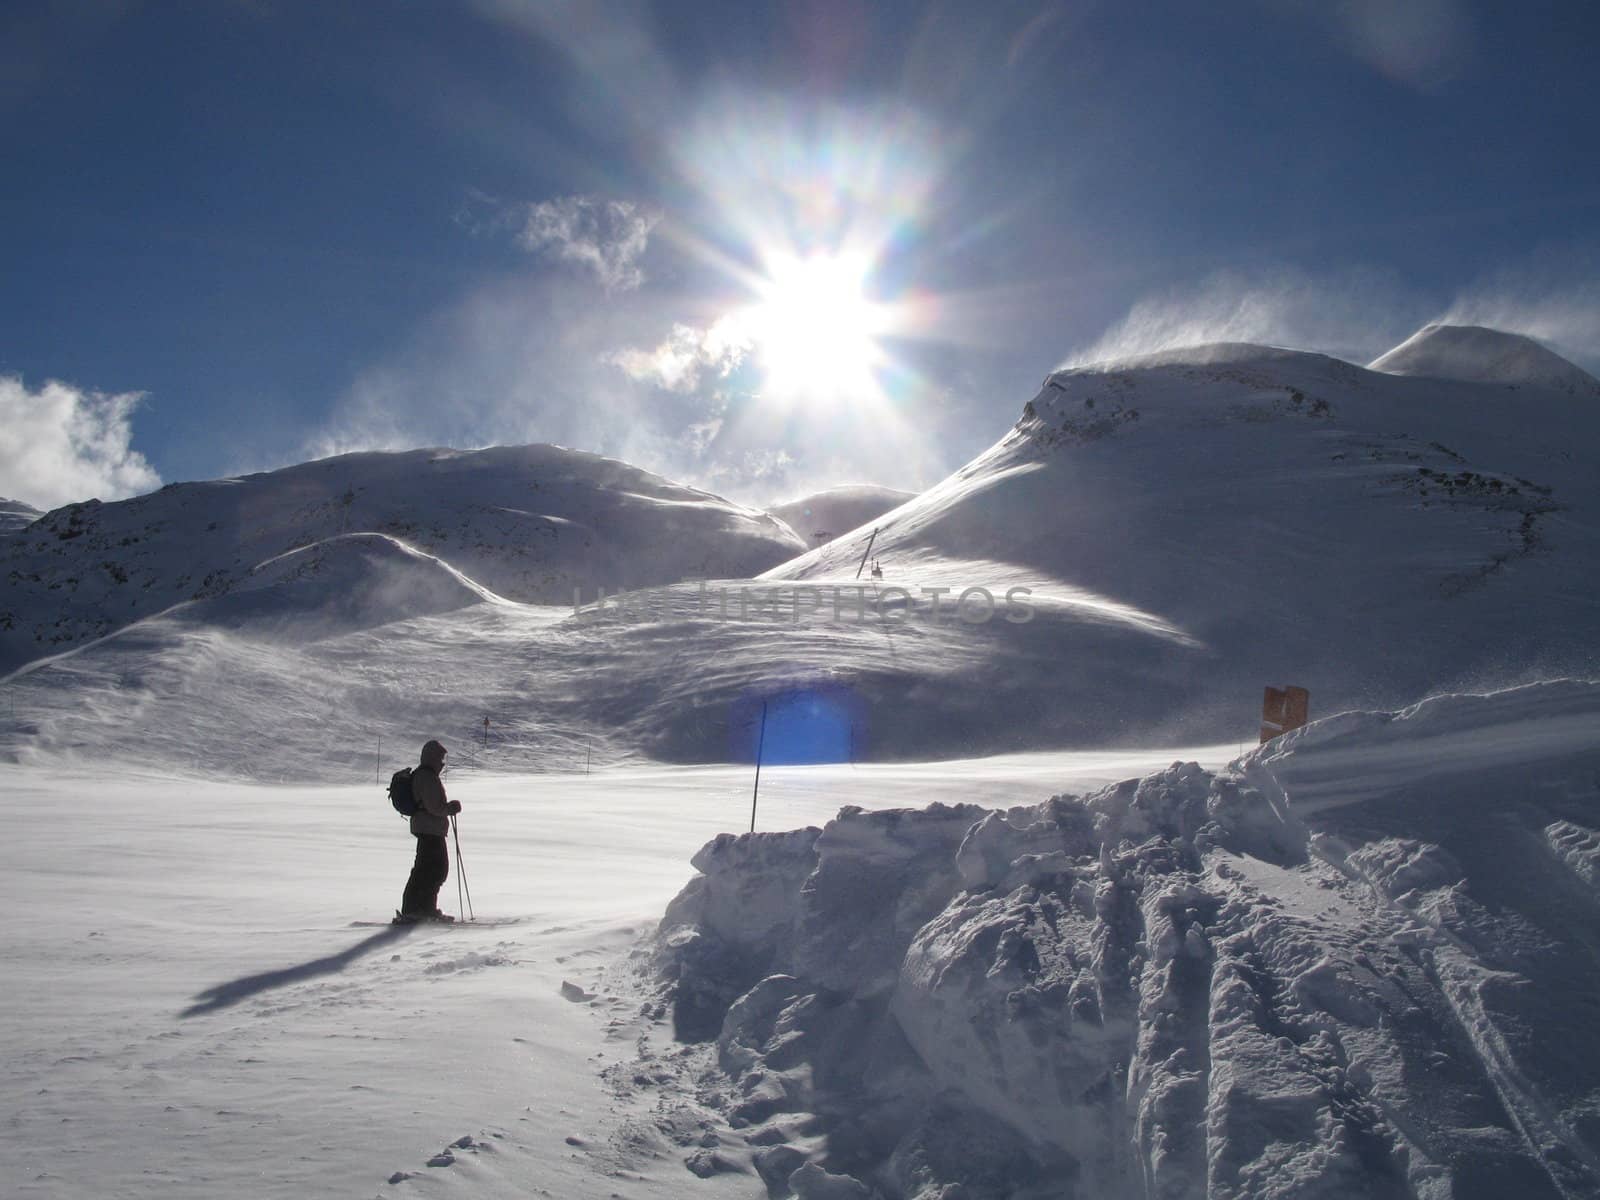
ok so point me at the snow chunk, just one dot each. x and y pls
(1003, 998)
(1578, 848)
(811, 1182)
(1398, 866)
(750, 884)
(1155, 991)
(879, 877)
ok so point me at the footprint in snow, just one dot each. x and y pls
(469, 962)
(445, 1157)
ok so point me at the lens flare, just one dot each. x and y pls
(806, 233)
(815, 329)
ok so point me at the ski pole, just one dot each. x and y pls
(460, 905)
(461, 873)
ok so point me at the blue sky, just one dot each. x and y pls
(237, 235)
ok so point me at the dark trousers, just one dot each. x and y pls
(428, 874)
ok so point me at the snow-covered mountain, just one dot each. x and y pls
(1473, 353)
(1177, 531)
(834, 512)
(529, 522)
(1296, 518)
(15, 515)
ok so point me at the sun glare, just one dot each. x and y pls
(815, 329)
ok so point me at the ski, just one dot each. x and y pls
(479, 923)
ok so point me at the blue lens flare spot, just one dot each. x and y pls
(806, 724)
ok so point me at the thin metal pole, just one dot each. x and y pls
(866, 552)
(461, 874)
(761, 743)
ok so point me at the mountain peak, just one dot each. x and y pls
(15, 514)
(1477, 354)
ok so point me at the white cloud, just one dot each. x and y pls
(521, 360)
(683, 359)
(60, 444)
(1423, 44)
(607, 237)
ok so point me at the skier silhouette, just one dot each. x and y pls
(429, 826)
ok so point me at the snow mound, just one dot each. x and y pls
(828, 514)
(1476, 354)
(1187, 985)
(531, 523)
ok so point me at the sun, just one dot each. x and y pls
(815, 328)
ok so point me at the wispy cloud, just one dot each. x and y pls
(1355, 315)
(1423, 44)
(525, 360)
(532, 359)
(686, 356)
(1553, 295)
(60, 444)
(603, 236)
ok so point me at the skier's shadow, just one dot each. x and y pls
(235, 990)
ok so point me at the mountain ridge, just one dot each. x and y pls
(838, 510)
(531, 523)
(1183, 530)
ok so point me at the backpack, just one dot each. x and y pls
(400, 793)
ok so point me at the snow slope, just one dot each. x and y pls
(1245, 981)
(1473, 353)
(836, 511)
(1371, 537)
(216, 687)
(1359, 961)
(1187, 528)
(528, 522)
(191, 1016)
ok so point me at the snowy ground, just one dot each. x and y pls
(1361, 961)
(191, 1014)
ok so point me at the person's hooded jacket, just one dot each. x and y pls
(432, 818)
